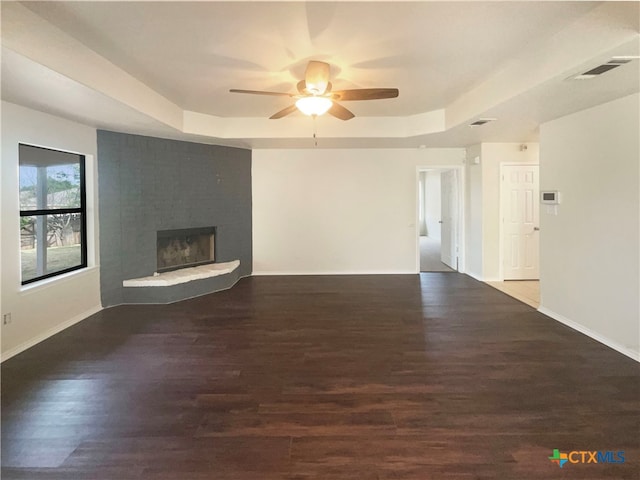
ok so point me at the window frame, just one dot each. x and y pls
(82, 210)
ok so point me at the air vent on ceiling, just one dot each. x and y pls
(615, 62)
(481, 121)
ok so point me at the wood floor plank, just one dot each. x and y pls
(401, 377)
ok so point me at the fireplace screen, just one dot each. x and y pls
(185, 248)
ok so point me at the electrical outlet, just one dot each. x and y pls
(6, 319)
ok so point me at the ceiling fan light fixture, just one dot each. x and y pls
(316, 96)
(314, 105)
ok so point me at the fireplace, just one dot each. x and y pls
(185, 248)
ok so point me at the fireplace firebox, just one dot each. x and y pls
(185, 248)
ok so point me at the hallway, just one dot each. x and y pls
(430, 256)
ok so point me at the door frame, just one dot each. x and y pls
(501, 213)
(460, 220)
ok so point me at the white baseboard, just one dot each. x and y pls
(375, 272)
(49, 333)
(634, 355)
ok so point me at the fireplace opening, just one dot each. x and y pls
(185, 248)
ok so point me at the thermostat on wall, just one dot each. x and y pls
(550, 197)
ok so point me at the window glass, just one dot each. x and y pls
(52, 212)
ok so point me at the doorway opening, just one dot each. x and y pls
(439, 223)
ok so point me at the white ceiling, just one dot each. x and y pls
(165, 68)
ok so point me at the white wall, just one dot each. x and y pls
(43, 308)
(473, 213)
(432, 201)
(338, 211)
(422, 224)
(590, 256)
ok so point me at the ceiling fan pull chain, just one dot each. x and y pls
(315, 136)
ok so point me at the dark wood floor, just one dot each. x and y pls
(424, 377)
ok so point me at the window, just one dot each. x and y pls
(53, 238)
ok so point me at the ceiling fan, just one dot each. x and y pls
(315, 96)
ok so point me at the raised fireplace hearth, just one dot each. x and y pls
(183, 275)
(185, 248)
(186, 267)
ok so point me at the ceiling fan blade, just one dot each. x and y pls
(365, 94)
(340, 112)
(284, 112)
(316, 77)
(260, 92)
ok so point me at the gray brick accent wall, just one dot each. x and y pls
(148, 184)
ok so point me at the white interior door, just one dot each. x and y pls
(520, 221)
(449, 216)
